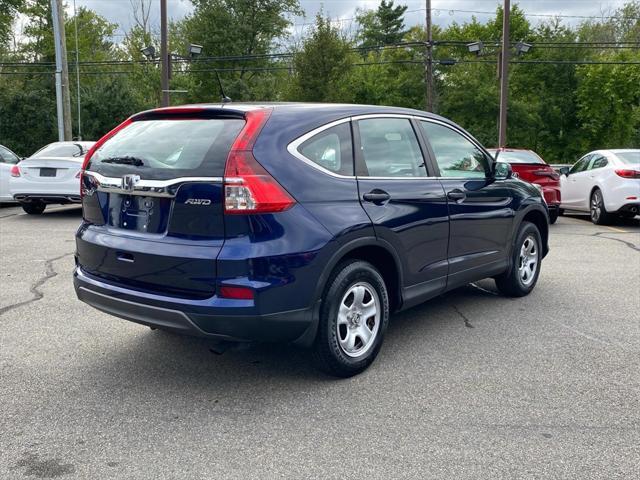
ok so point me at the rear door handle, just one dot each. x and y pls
(376, 196)
(457, 195)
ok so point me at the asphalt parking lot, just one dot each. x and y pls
(469, 385)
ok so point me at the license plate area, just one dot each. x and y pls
(139, 213)
(48, 172)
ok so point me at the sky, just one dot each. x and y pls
(444, 11)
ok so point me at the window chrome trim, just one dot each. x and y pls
(150, 188)
(292, 148)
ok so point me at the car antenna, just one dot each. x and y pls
(225, 99)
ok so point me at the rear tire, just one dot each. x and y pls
(599, 214)
(353, 319)
(553, 215)
(526, 260)
(34, 208)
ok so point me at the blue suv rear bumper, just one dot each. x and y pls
(213, 318)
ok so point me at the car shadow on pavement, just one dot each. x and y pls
(71, 211)
(154, 362)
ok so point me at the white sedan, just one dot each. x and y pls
(604, 183)
(51, 175)
(7, 160)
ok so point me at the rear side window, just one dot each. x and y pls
(390, 148)
(7, 156)
(168, 148)
(331, 149)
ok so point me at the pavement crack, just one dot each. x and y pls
(467, 323)
(628, 244)
(50, 272)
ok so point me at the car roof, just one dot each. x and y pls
(297, 107)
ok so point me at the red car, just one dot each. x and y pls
(530, 167)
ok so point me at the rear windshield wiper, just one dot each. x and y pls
(126, 160)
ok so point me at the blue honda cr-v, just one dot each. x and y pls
(297, 222)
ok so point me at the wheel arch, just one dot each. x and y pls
(539, 218)
(375, 251)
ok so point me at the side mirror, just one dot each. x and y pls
(502, 171)
(564, 171)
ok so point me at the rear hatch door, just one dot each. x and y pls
(153, 203)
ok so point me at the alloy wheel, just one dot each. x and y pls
(358, 319)
(528, 260)
(596, 206)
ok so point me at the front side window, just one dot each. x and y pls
(456, 155)
(331, 149)
(390, 148)
(581, 165)
(598, 162)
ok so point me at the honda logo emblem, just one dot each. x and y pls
(129, 182)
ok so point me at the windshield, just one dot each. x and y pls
(62, 150)
(517, 156)
(629, 157)
(168, 148)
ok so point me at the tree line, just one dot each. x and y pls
(576, 90)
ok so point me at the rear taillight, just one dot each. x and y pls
(248, 187)
(15, 171)
(628, 173)
(547, 173)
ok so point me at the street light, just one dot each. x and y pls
(194, 50)
(149, 52)
(523, 47)
(475, 47)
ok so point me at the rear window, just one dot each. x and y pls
(629, 157)
(518, 157)
(61, 150)
(163, 149)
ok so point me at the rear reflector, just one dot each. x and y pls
(15, 171)
(236, 293)
(632, 198)
(248, 187)
(628, 173)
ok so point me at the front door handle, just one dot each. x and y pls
(457, 195)
(376, 196)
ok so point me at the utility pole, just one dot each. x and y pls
(164, 54)
(428, 79)
(63, 99)
(504, 75)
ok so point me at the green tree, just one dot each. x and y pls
(323, 64)
(382, 26)
(228, 28)
(8, 12)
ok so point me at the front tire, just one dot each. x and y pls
(599, 214)
(34, 208)
(353, 319)
(526, 260)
